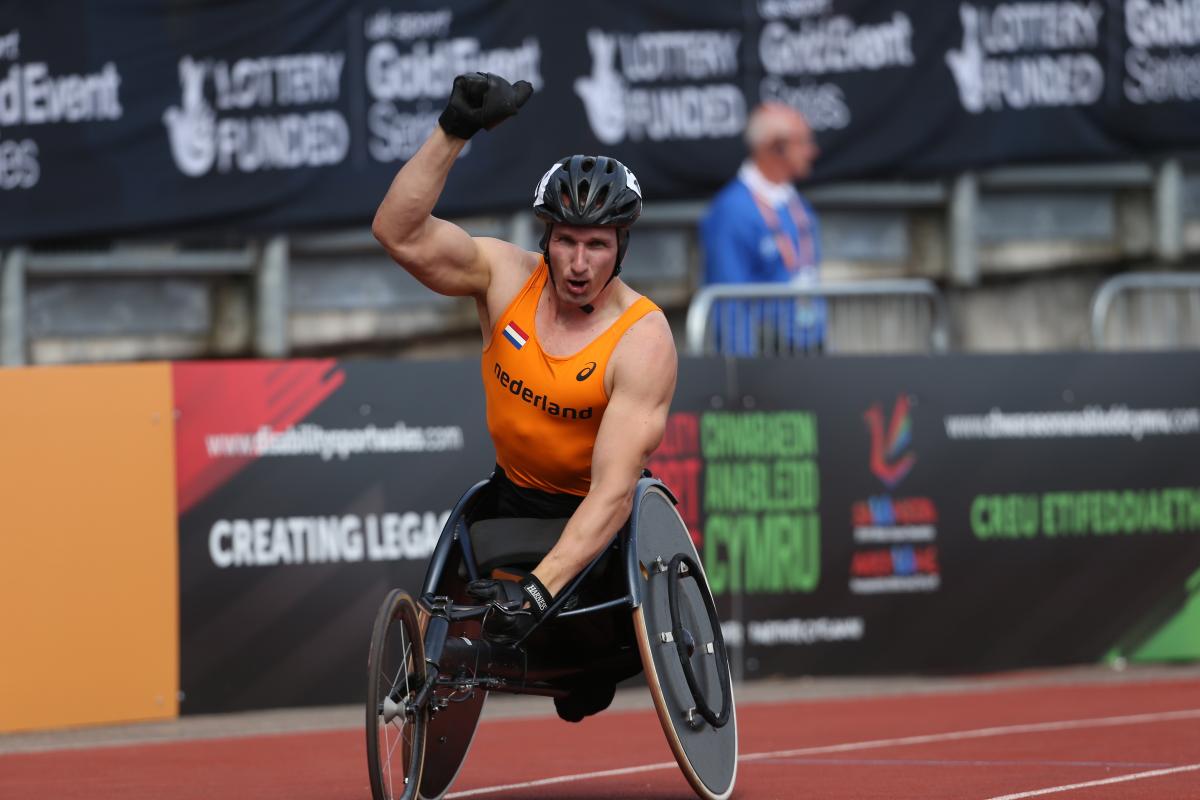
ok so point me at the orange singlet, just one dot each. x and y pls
(543, 411)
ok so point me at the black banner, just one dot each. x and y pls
(308, 490)
(970, 513)
(142, 116)
(854, 515)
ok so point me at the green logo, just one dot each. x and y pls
(762, 532)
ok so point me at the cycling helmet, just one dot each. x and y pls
(589, 191)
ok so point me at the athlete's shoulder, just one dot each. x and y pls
(511, 267)
(506, 259)
(627, 298)
(644, 363)
(655, 326)
(650, 330)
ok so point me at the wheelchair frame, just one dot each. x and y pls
(454, 667)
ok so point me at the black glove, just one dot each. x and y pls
(510, 618)
(481, 100)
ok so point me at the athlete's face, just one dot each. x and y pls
(582, 260)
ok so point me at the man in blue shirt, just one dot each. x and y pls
(760, 230)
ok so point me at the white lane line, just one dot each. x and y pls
(982, 733)
(1137, 776)
(950, 736)
(583, 776)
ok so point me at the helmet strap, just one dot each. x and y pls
(545, 243)
(622, 246)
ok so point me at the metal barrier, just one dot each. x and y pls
(267, 262)
(288, 277)
(1147, 311)
(887, 316)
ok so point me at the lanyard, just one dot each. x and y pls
(791, 260)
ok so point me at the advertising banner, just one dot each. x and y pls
(854, 515)
(255, 117)
(974, 513)
(307, 490)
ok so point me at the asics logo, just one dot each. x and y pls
(586, 372)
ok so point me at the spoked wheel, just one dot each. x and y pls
(395, 728)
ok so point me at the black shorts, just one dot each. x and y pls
(502, 498)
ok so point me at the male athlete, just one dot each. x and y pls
(578, 369)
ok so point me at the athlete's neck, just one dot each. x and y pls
(564, 328)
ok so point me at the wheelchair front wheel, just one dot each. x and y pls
(395, 727)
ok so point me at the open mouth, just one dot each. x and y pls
(576, 287)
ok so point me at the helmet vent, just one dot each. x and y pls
(588, 191)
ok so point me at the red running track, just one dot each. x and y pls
(1010, 742)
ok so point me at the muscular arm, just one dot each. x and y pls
(644, 368)
(438, 253)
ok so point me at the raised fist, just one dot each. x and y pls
(481, 100)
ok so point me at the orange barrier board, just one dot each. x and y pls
(88, 576)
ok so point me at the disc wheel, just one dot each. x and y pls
(395, 728)
(683, 655)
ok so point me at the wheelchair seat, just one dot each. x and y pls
(513, 541)
(521, 543)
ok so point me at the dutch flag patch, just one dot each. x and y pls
(515, 335)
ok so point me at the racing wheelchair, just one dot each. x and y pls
(643, 604)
